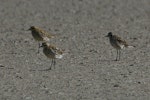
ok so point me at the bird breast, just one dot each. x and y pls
(37, 36)
(49, 53)
(115, 44)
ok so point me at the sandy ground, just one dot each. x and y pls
(88, 71)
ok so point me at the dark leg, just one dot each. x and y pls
(117, 56)
(54, 63)
(50, 66)
(39, 47)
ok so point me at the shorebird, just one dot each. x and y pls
(52, 52)
(118, 43)
(40, 35)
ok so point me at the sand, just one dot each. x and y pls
(88, 70)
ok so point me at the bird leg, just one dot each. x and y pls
(117, 56)
(119, 52)
(54, 62)
(38, 48)
(51, 64)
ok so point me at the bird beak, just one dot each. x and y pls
(29, 29)
(40, 46)
(106, 36)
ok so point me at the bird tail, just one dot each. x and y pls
(130, 46)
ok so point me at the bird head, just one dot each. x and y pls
(44, 44)
(109, 34)
(32, 28)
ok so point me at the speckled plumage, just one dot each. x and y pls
(52, 52)
(40, 35)
(118, 43)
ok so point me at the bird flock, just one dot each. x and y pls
(53, 52)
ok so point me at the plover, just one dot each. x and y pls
(40, 35)
(118, 43)
(52, 52)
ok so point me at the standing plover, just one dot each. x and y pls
(40, 35)
(52, 52)
(118, 43)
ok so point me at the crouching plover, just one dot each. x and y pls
(40, 35)
(52, 52)
(118, 43)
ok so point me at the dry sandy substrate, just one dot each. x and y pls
(88, 71)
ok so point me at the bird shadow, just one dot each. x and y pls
(41, 70)
(108, 60)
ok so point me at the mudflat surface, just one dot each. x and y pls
(88, 71)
